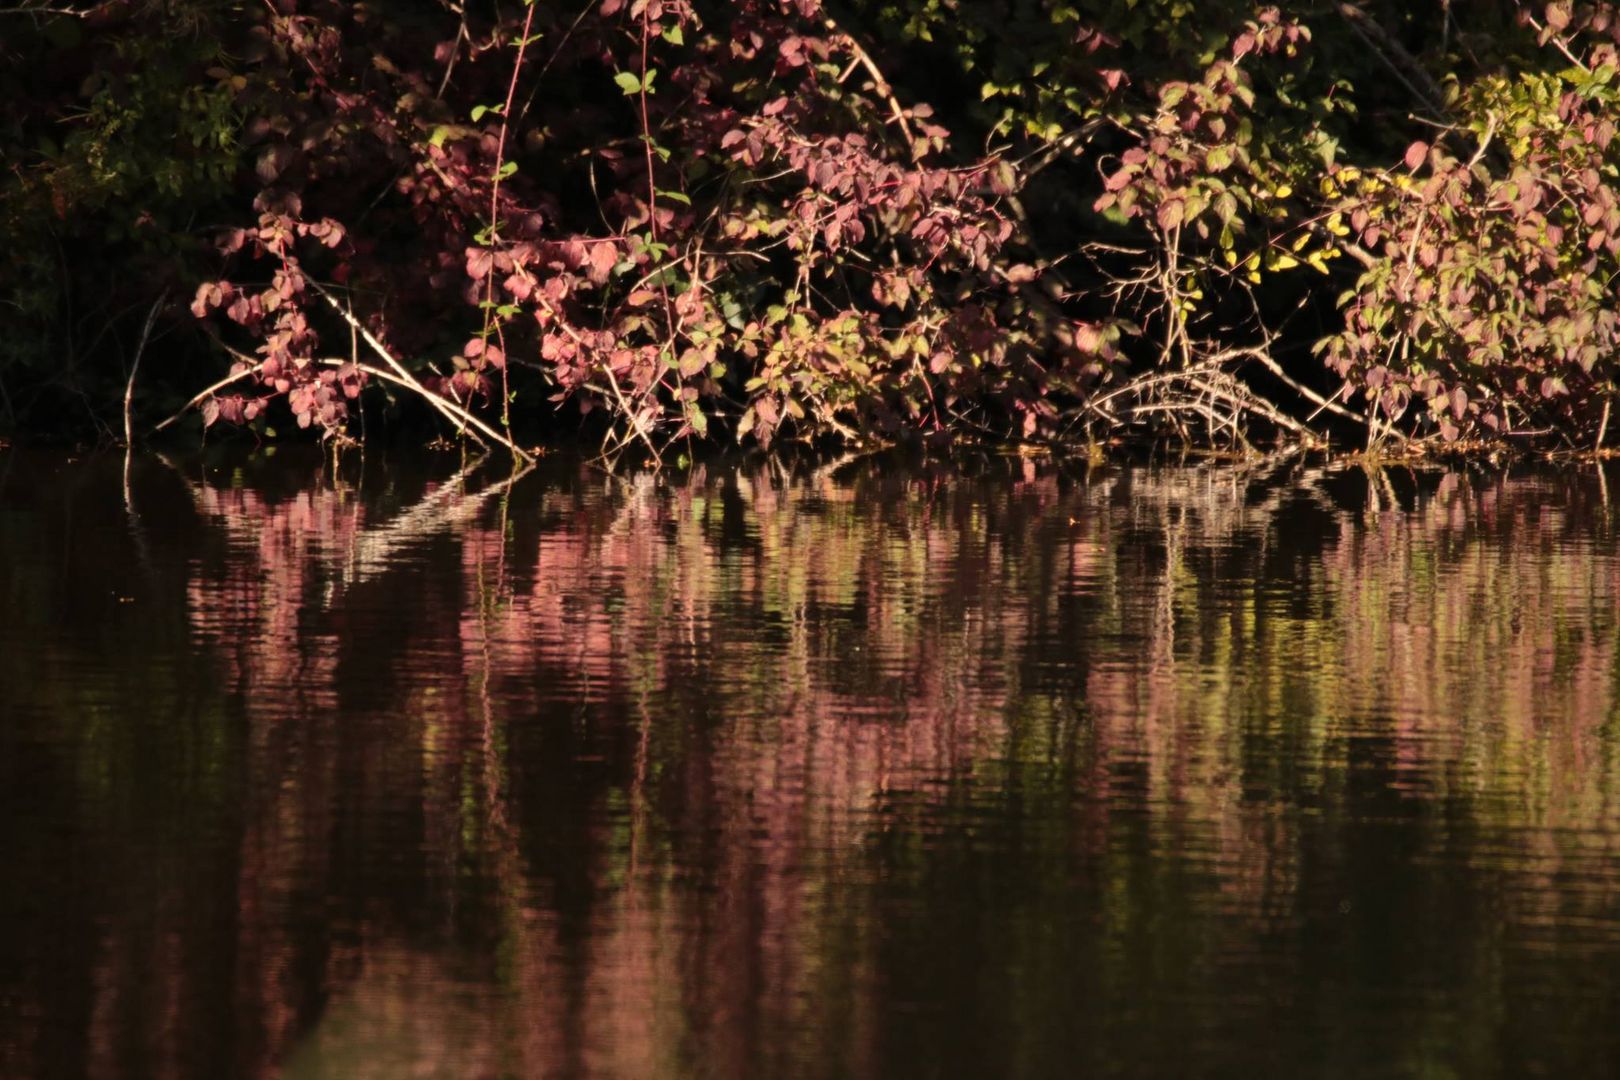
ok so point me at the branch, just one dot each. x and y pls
(135, 366)
(204, 395)
(449, 409)
(1298, 387)
(1395, 57)
(38, 11)
(879, 83)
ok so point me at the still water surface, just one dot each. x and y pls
(878, 771)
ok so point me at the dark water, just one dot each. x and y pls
(868, 772)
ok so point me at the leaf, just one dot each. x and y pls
(1416, 153)
(603, 257)
(209, 295)
(674, 36)
(629, 82)
(1170, 212)
(1022, 274)
(675, 196)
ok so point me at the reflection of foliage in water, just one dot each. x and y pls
(862, 772)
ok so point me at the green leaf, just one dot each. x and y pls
(507, 169)
(674, 36)
(675, 196)
(628, 82)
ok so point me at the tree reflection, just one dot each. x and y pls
(860, 772)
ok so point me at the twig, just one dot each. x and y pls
(490, 318)
(633, 418)
(449, 409)
(1299, 388)
(209, 392)
(135, 366)
(37, 11)
(1395, 57)
(879, 83)
(455, 50)
(1557, 40)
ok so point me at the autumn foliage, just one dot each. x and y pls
(694, 220)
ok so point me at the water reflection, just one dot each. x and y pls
(867, 771)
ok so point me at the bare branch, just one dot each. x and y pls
(449, 409)
(879, 83)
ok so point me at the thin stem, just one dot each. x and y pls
(495, 222)
(135, 367)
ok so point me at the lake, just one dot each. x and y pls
(1005, 768)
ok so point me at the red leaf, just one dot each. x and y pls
(603, 258)
(209, 295)
(1416, 153)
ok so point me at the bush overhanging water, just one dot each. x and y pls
(766, 218)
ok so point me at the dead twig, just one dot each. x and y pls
(879, 83)
(135, 367)
(452, 411)
(210, 391)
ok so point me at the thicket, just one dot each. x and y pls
(758, 219)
